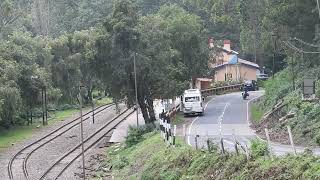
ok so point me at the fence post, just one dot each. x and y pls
(174, 135)
(184, 132)
(222, 146)
(247, 152)
(235, 142)
(166, 130)
(291, 140)
(196, 141)
(181, 103)
(160, 126)
(169, 131)
(268, 139)
(208, 144)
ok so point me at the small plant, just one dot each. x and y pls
(258, 148)
(120, 162)
(212, 147)
(135, 134)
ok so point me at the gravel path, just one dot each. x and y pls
(48, 153)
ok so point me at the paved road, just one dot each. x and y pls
(226, 115)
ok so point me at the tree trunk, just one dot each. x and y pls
(193, 82)
(89, 98)
(144, 111)
(28, 117)
(31, 115)
(151, 110)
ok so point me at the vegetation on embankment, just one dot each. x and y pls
(152, 159)
(256, 113)
(306, 121)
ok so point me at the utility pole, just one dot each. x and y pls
(255, 46)
(81, 133)
(274, 51)
(135, 85)
(43, 107)
(92, 107)
(318, 7)
(45, 104)
(292, 70)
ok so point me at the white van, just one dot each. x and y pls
(192, 102)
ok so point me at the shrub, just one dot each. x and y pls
(120, 162)
(135, 134)
(67, 106)
(258, 148)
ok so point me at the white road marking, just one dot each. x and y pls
(190, 127)
(220, 119)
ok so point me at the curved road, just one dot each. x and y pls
(226, 115)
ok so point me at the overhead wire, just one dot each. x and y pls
(291, 46)
(318, 6)
(306, 43)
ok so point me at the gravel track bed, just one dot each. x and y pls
(8, 153)
(74, 172)
(47, 155)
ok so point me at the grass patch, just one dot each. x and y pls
(15, 134)
(20, 133)
(256, 113)
(103, 101)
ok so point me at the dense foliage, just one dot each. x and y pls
(59, 45)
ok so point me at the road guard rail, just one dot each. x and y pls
(167, 133)
(212, 91)
(205, 93)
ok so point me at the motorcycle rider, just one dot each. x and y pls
(245, 93)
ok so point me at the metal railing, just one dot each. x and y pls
(212, 91)
(205, 93)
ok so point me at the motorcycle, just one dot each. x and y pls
(245, 95)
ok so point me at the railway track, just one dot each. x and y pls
(22, 156)
(61, 165)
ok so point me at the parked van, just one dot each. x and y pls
(192, 102)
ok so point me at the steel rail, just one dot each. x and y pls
(9, 167)
(86, 140)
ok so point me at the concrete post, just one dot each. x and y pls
(174, 135)
(235, 142)
(184, 132)
(268, 139)
(196, 141)
(291, 140)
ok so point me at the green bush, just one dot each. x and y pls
(67, 106)
(120, 162)
(135, 134)
(258, 148)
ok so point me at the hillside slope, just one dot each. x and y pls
(306, 121)
(152, 159)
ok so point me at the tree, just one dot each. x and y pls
(168, 49)
(12, 15)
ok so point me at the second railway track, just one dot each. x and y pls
(60, 166)
(21, 157)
